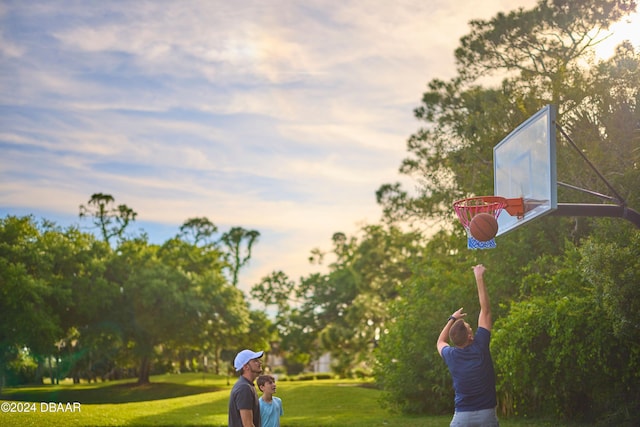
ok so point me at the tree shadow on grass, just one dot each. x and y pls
(193, 415)
(117, 393)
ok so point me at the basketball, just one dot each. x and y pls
(483, 227)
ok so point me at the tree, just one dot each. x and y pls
(237, 257)
(575, 357)
(41, 266)
(110, 220)
(344, 311)
(225, 320)
(26, 318)
(275, 289)
(155, 303)
(260, 335)
(541, 44)
(193, 250)
(612, 268)
(542, 56)
(440, 283)
(69, 299)
(75, 264)
(222, 312)
(198, 230)
(606, 129)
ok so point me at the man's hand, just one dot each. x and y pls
(478, 270)
(458, 314)
(246, 415)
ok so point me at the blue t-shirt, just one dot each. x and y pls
(271, 412)
(471, 368)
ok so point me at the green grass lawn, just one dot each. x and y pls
(196, 399)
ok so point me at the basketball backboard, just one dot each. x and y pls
(524, 165)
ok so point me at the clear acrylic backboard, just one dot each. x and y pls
(524, 165)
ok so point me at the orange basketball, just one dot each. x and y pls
(483, 227)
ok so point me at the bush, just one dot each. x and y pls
(22, 374)
(306, 377)
(325, 376)
(407, 351)
(558, 350)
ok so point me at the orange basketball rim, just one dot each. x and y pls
(467, 208)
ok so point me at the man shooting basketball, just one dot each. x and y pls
(469, 362)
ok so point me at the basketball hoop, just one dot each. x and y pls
(467, 208)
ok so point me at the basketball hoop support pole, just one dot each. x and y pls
(612, 211)
(618, 198)
(619, 210)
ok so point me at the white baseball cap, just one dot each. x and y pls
(244, 357)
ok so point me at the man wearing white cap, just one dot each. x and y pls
(244, 407)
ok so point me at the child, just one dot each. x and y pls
(270, 406)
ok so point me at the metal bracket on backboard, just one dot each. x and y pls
(515, 207)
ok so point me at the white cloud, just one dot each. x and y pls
(280, 116)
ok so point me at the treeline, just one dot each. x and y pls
(78, 306)
(566, 339)
(107, 305)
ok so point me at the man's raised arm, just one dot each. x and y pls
(484, 319)
(443, 338)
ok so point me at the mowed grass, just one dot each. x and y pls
(196, 400)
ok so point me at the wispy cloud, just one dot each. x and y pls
(281, 116)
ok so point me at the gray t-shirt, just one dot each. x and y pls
(243, 396)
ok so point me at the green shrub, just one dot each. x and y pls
(325, 376)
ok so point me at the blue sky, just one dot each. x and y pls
(279, 116)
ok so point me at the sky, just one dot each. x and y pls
(279, 116)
